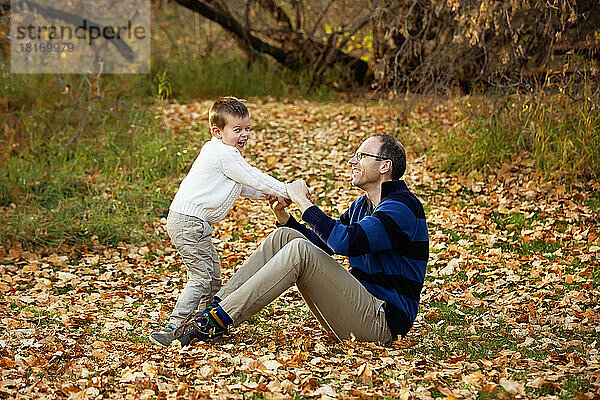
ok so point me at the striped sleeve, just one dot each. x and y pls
(345, 217)
(393, 225)
(308, 233)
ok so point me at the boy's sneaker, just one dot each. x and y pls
(164, 337)
(200, 328)
(167, 335)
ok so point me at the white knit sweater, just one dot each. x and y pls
(217, 178)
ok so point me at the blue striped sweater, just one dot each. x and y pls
(387, 248)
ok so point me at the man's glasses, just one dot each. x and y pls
(360, 155)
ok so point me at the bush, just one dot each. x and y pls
(559, 133)
(86, 158)
(436, 45)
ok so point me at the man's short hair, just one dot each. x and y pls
(226, 107)
(391, 148)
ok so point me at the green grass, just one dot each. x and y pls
(559, 134)
(460, 319)
(497, 338)
(86, 156)
(539, 246)
(594, 202)
(64, 182)
(193, 79)
(596, 276)
(40, 317)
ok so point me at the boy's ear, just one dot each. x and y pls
(216, 132)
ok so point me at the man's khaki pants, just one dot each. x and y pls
(338, 300)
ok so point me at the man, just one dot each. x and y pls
(383, 234)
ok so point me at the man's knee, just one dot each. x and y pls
(284, 234)
(303, 247)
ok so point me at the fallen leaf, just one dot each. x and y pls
(512, 387)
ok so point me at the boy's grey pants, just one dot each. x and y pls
(338, 300)
(193, 240)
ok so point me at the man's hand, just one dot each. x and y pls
(278, 206)
(300, 194)
(278, 203)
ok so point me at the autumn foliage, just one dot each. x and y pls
(438, 44)
(509, 308)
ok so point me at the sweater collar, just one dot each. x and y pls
(387, 188)
(393, 186)
(219, 142)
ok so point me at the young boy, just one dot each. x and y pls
(217, 178)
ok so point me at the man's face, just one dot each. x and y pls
(235, 133)
(366, 171)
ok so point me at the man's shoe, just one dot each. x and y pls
(164, 337)
(198, 329)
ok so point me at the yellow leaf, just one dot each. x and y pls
(455, 188)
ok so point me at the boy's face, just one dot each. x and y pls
(235, 133)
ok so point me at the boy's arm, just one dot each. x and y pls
(250, 193)
(236, 168)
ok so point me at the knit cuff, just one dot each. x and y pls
(314, 216)
(291, 223)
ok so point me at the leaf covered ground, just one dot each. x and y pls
(510, 307)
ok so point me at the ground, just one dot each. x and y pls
(509, 309)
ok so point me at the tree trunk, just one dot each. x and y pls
(292, 47)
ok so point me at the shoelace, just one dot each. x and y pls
(188, 320)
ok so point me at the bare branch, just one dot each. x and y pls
(278, 13)
(73, 19)
(318, 22)
(226, 20)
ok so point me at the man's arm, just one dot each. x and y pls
(278, 205)
(393, 225)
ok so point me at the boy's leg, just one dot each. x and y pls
(267, 248)
(340, 300)
(192, 238)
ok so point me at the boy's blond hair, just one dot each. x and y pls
(226, 107)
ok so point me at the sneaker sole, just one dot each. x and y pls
(215, 340)
(156, 342)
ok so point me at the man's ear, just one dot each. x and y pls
(216, 132)
(386, 167)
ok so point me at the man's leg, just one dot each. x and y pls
(216, 282)
(268, 247)
(336, 297)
